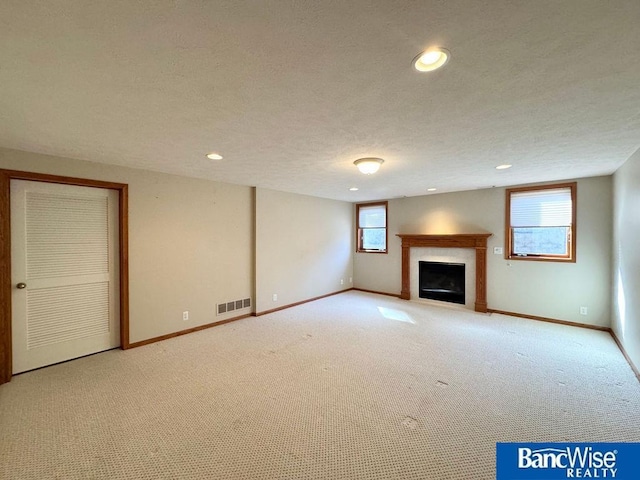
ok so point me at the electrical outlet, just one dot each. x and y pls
(342, 281)
(350, 279)
(185, 316)
(275, 297)
(583, 310)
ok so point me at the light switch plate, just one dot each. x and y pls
(497, 250)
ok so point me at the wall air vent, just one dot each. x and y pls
(230, 306)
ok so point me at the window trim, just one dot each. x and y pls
(547, 258)
(359, 248)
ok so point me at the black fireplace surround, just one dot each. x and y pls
(441, 281)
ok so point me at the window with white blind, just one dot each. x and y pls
(371, 227)
(541, 222)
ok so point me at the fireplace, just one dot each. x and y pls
(442, 281)
(477, 241)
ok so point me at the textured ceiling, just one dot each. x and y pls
(292, 92)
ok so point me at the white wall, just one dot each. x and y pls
(626, 257)
(195, 243)
(546, 289)
(304, 247)
(190, 241)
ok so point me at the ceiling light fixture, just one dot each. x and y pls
(214, 156)
(353, 189)
(368, 165)
(431, 59)
(431, 189)
(503, 167)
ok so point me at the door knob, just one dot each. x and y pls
(21, 285)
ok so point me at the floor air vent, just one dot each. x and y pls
(227, 307)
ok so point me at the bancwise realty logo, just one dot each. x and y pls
(551, 461)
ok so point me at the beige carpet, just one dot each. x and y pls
(354, 386)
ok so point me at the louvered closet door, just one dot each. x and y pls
(64, 268)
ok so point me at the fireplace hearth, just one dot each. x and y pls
(477, 241)
(442, 281)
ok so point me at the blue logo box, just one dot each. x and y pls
(551, 461)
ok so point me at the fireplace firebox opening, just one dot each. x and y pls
(442, 281)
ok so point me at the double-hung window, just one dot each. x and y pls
(371, 227)
(541, 222)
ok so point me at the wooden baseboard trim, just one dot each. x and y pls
(550, 320)
(396, 295)
(624, 353)
(634, 369)
(184, 332)
(284, 307)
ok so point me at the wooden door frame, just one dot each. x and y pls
(6, 286)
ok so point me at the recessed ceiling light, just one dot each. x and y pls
(353, 189)
(214, 156)
(368, 165)
(431, 189)
(503, 167)
(431, 59)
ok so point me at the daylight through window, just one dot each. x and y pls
(541, 222)
(372, 227)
